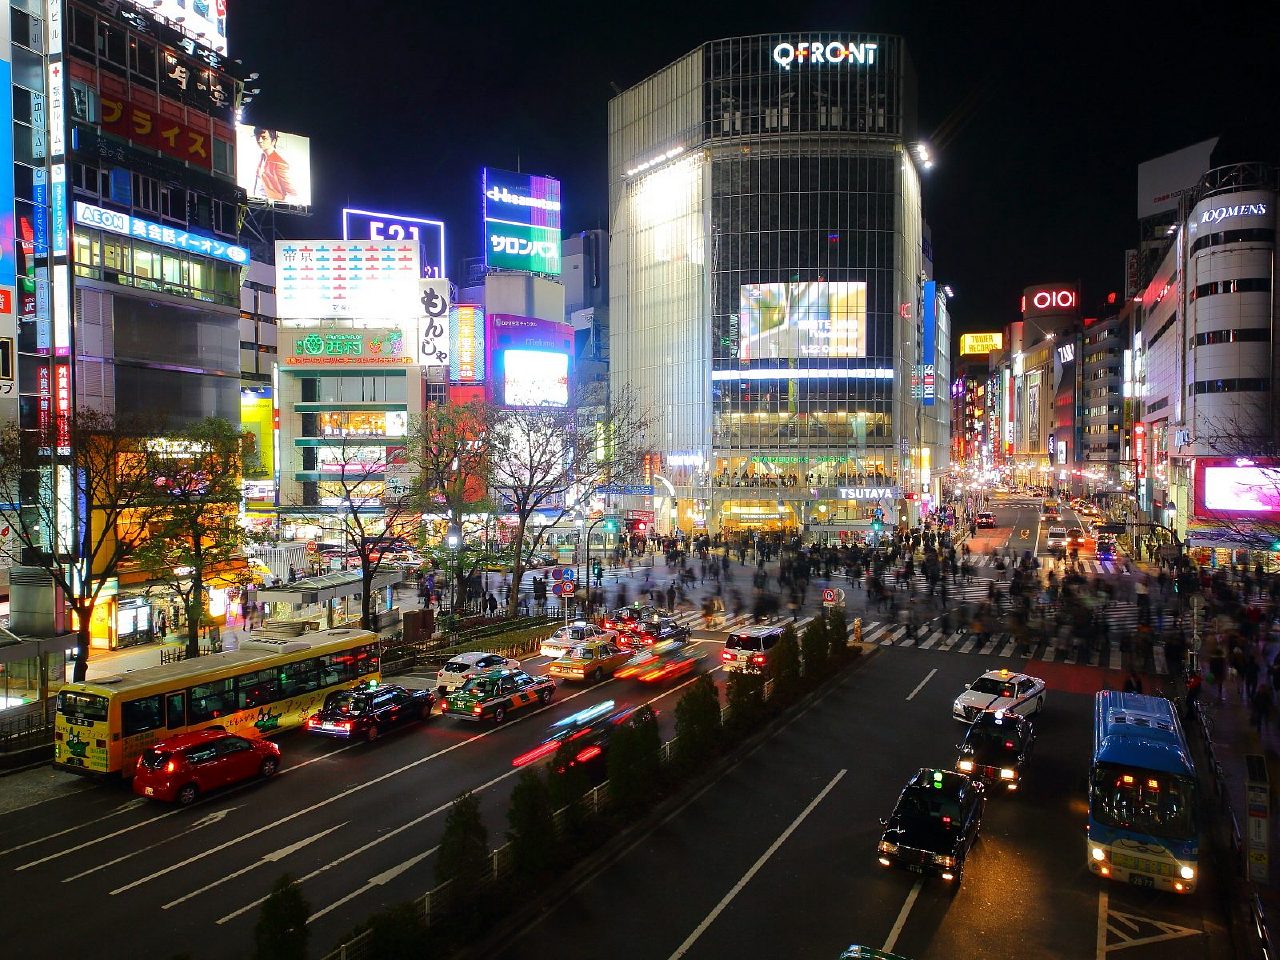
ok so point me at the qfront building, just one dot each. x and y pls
(770, 291)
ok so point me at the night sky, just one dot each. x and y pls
(1039, 113)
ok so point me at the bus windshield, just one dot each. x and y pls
(82, 706)
(1143, 801)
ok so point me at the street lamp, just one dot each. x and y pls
(454, 540)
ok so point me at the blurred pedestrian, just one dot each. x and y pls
(1132, 682)
(1217, 668)
(1262, 704)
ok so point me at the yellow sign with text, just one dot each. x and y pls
(980, 343)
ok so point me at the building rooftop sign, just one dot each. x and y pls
(816, 52)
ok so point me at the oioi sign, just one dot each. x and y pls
(815, 52)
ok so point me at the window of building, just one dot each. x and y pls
(6, 359)
(1253, 235)
(81, 29)
(1239, 285)
(27, 30)
(84, 102)
(1243, 335)
(112, 45)
(224, 156)
(142, 57)
(146, 193)
(1233, 385)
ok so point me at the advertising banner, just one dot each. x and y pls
(980, 343)
(1237, 488)
(522, 221)
(87, 215)
(364, 279)
(929, 321)
(327, 348)
(147, 127)
(466, 339)
(428, 234)
(528, 361)
(794, 320)
(433, 344)
(8, 258)
(272, 166)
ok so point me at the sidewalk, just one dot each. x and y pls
(1234, 738)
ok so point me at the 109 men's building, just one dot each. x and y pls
(771, 292)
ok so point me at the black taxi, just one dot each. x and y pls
(996, 748)
(933, 825)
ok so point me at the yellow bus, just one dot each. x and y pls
(263, 688)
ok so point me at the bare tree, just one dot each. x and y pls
(105, 472)
(195, 524)
(553, 458)
(378, 500)
(1245, 436)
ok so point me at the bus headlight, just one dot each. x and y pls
(1098, 853)
(966, 766)
(1187, 873)
(1007, 773)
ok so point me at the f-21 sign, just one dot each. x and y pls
(429, 234)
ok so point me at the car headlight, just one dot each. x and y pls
(1008, 773)
(1098, 854)
(944, 860)
(886, 847)
(965, 766)
(1187, 873)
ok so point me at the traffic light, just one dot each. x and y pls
(611, 525)
(1275, 546)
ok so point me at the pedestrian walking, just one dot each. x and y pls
(1262, 704)
(1132, 682)
(1217, 668)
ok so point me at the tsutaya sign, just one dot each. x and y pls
(868, 493)
(815, 51)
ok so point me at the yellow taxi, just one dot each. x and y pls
(589, 660)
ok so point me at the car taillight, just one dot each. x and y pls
(757, 658)
(345, 724)
(726, 656)
(587, 753)
(171, 766)
(476, 709)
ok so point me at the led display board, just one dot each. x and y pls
(812, 319)
(521, 222)
(1238, 488)
(980, 343)
(327, 348)
(87, 215)
(363, 279)
(528, 361)
(428, 234)
(466, 339)
(273, 167)
(206, 20)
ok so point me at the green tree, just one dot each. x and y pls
(813, 647)
(634, 763)
(464, 849)
(281, 931)
(83, 527)
(786, 666)
(698, 729)
(531, 823)
(744, 691)
(194, 526)
(838, 634)
(399, 932)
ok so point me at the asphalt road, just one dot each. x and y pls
(777, 858)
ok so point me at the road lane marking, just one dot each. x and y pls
(275, 856)
(901, 922)
(124, 807)
(1102, 923)
(920, 685)
(345, 793)
(376, 881)
(215, 817)
(387, 836)
(755, 868)
(937, 635)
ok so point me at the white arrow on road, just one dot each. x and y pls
(377, 881)
(115, 811)
(217, 816)
(272, 857)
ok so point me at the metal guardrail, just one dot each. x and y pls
(172, 654)
(21, 729)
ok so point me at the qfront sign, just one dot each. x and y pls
(816, 52)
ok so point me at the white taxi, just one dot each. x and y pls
(464, 666)
(579, 631)
(1000, 690)
(1057, 537)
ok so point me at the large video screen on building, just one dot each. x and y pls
(1238, 488)
(273, 166)
(534, 378)
(521, 221)
(795, 320)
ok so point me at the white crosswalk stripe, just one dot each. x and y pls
(933, 638)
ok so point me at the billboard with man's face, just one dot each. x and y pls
(272, 166)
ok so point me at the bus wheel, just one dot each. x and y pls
(187, 795)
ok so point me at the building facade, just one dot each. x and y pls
(767, 284)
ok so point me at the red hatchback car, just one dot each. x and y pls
(183, 767)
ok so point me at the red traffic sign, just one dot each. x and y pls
(566, 588)
(828, 596)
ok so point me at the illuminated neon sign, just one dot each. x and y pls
(815, 51)
(428, 234)
(88, 215)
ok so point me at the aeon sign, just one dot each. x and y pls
(815, 51)
(1049, 299)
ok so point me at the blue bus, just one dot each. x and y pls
(1142, 794)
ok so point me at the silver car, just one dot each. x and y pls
(467, 665)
